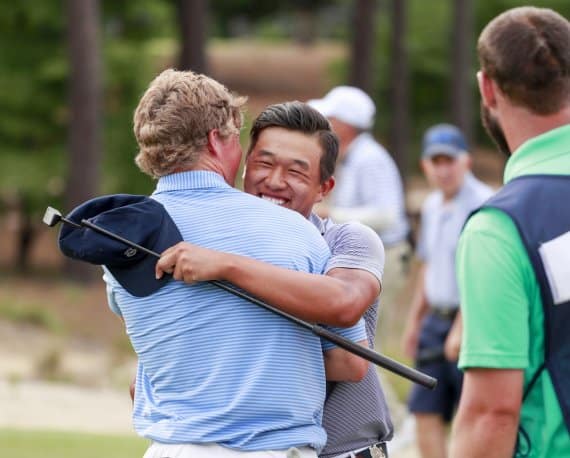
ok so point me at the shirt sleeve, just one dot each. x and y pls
(355, 333)
(378, 200)
(356, 246)
(109, 280)
(380, 185)
(492, 274)
(421, 250)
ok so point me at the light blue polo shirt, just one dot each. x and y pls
(214, 367)
(441, 224)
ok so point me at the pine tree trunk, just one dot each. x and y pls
(462, 67)
(399, 85)
(193, 17)
(362, 47)
(85, 94)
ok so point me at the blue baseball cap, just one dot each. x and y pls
(443, 139)
(139, 219)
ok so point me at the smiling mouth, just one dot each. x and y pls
(274, 200)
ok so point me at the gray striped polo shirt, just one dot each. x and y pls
(356, 414)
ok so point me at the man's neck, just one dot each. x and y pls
(520, 125)
(204, 163)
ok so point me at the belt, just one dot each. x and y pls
(377, 450)
(445, 313)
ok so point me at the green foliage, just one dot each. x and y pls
(429, 46)
(140, 38)
(34, 80)
(32, 118)
(31, 444)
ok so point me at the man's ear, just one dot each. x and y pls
(487, 89)
(326, 187)
(424, 166)
(215, 142)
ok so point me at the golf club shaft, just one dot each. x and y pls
(364, 352)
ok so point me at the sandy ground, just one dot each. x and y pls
(58, 406)
(64, 407)
(91, 402)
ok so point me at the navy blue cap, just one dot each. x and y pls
(443, 139)
(139, 219)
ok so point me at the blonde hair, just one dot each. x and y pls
(174, 117)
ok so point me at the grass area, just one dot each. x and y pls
(31, 444)
(30, 313)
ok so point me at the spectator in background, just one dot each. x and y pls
(512, 260)
(369, 187)
(446, 164)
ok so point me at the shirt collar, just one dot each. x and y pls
(536, 150)
(463, 192)
(195, 179)
(318, 222)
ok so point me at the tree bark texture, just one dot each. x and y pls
(462, 68)
(85, 96)
(193, 18)
(362, 46)
(399, 88)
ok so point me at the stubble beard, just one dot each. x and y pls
(494, 130)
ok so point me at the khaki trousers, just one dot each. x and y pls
(158, 450)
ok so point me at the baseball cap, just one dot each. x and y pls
(443, 139)
(347, 104)
(139, 219)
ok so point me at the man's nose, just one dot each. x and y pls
(275, 179)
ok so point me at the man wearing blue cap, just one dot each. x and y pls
(428, 336)
(217, 375)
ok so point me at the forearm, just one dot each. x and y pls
(343, 366)
(373, 217)
(315, 298)
(487, 420)
(420, 304)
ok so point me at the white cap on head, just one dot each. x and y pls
(347, 104)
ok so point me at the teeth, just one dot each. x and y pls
(273, 200)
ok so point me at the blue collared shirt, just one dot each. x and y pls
(214, 367)
(441, 225)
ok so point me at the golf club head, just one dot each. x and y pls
(51, 217)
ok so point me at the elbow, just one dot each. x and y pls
(360, 370)
(347, 318)
(495, 417)
(356, 369)
(346, 313)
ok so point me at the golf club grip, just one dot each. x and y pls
(376, 358)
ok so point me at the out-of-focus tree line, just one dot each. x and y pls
(71, 74)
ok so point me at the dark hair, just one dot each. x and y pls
(300, 117)
(526, 51)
